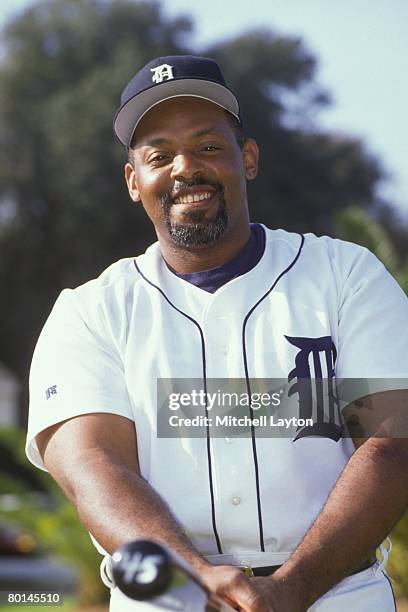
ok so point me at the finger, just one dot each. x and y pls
(216, 604)
(242, 595)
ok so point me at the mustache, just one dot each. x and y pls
(166, 199)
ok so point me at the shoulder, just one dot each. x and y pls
(329, 261)
(311, 243)
(334, 248)
(119, 274)
(102, 303)
(114, 282)
(340, 253)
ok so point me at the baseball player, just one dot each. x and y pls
(218, 297)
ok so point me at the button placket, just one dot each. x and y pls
(218, 330)
(224, 348)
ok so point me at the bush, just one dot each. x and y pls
(398, 565)
(51, 519)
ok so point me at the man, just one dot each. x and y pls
(217, 297)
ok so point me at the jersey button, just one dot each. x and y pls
(236, 500)
(224, 348)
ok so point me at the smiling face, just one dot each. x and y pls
(190, 174)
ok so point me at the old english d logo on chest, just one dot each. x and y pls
(317, 397)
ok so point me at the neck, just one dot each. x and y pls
(187, 260)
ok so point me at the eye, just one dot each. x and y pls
(160, 158)
(210, 148)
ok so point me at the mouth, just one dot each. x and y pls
(194, 199)
(195, 214)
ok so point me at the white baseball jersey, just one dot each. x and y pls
(311, 304)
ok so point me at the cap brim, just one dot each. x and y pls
(130, 114)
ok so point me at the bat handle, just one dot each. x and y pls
(145, 570)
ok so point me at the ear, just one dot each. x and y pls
(130, 178)
(251, 156)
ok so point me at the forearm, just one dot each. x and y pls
(116, 505)
(368, 499)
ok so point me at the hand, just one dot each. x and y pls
(237, 590)
(275, 591)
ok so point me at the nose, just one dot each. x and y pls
(185, 167)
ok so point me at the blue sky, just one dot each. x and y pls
(363, 61)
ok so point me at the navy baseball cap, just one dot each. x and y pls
(169, 77)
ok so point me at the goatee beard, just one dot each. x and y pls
(197, 231)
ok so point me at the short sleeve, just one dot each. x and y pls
(75, 370)
(372, 327)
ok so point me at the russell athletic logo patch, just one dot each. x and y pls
(50, 391)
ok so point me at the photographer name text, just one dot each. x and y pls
(234, 421)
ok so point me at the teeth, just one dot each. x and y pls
(189, 199)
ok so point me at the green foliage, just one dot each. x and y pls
(16, 474)
(61, 534)
(69, 605)
(402, 276)
(398, 565)
(54, 525)
(358, 226)
(306, 175)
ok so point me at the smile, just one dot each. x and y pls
(190, 199)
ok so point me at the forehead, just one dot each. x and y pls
(183, 116)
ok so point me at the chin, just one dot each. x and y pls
(199, 232)
(196, 235)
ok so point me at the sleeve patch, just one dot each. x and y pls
(50, 391)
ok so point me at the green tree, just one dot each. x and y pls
(306, 175)
(356, 225)
(64, 212)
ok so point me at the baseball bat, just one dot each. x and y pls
(147, 571)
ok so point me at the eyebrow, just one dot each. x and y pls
(155, 142)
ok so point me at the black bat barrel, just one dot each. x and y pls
(142, 569)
